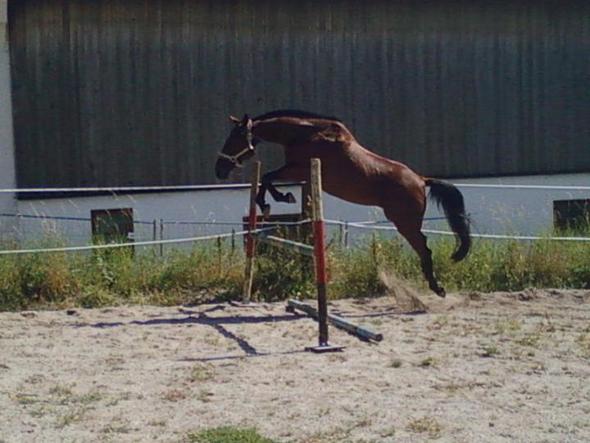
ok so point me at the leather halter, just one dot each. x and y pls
(235, 158)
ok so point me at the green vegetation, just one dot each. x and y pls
(227, 434)
(115, 277)
(214, 272)
(425, 425)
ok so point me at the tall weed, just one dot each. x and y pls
(215, 271)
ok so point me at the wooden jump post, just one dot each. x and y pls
(317, 215)
(317, 251)
(250, 240)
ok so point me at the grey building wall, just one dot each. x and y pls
(7, 167)
(138, 92)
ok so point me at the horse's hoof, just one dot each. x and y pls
(290, 198)
(440, 292)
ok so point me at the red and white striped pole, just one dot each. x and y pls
(320, 256)
(250, 240)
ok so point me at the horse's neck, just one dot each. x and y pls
(285, 131)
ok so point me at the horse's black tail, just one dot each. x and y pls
(450, 198)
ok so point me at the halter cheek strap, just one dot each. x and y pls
(235, 158)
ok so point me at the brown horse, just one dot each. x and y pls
(350, 172)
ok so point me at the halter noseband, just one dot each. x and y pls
(235, 158)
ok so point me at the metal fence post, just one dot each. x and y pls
(161, 237)
(155, 234)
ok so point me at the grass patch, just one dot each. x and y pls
(489, 351)
(174, 395)
(531, 339)
(71, 417)
(490, 266)
(117, 426)
(282, 274)
(428, 362)
(116, 277)
(201, 373)
(396, 363)
(227, 434)
(583, 342)
(62, 394)
(425, 425)
(210, 273)
(26, 399)
(507, 326)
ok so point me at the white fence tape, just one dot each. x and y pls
(510, 237)
(123, 245)
(358, 225)
(362, 225)
(502, 186)
(115, 189)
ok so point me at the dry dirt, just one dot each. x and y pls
(499, 367)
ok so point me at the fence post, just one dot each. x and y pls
(161, 237)
(250, 240)
(346, 235)
(219, 256)
(155, 235)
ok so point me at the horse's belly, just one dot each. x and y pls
(351, 190)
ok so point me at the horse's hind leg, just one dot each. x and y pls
(410, 229)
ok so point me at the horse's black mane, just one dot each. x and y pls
(294, 113)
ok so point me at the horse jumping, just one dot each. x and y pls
(350, 172)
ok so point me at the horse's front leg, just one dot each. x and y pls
(261, 201)
(285, 173)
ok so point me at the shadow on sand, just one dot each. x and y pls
(201, 318)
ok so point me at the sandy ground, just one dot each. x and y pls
(475, 368)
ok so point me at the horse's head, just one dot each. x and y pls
(237, 148)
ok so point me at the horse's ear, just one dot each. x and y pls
(233, 119)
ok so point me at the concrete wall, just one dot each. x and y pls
(492, 210)
(519, 211)
(497, 211)
(225, 206)
(7, 171)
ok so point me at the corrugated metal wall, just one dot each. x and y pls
(138, 91)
